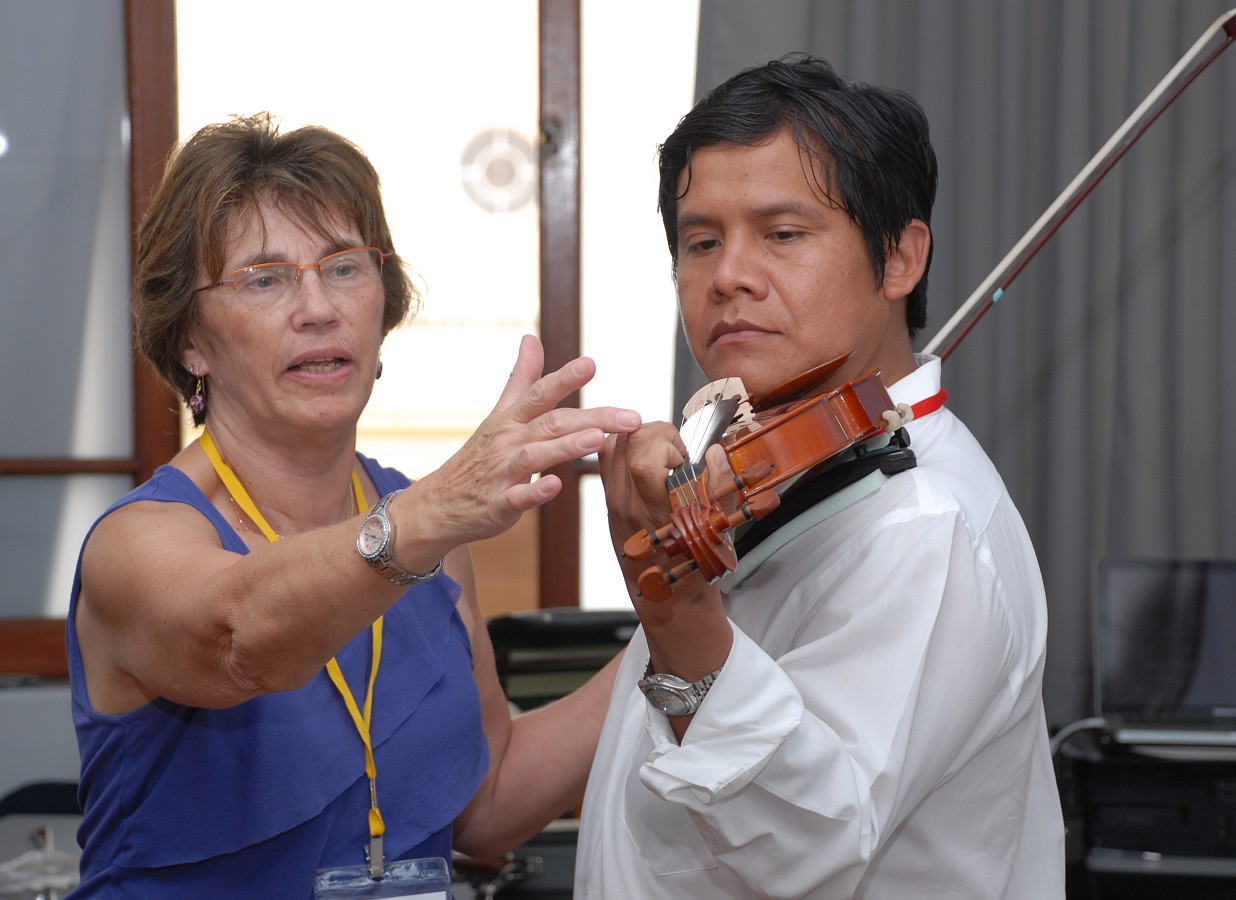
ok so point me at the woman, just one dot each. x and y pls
(268, 681)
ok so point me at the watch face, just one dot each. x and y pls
(370, 537)
(668, 700)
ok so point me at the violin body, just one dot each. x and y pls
(792, 438)
(781, 439)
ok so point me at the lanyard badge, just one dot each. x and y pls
(377, 828)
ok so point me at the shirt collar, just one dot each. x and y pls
(922, 383)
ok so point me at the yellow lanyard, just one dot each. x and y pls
(238, 493)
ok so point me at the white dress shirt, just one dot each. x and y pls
(878, 729)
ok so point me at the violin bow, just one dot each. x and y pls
(1164, 94)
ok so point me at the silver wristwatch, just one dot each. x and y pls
(373, 543)
(672, 695)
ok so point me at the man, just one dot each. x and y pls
(872, 722)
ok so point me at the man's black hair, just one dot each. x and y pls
(872, 146)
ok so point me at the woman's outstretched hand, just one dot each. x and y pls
(492, 480)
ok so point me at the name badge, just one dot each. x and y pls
(415, 879)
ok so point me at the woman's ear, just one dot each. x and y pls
(191, 358)
(905, 263)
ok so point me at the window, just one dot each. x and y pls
(452, 127)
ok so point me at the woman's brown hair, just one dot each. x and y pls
(223, 172)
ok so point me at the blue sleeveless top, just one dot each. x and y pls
(251, 801)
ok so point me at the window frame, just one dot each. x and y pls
(559, 185)
(35, 646)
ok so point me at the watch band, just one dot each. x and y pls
(383, 566)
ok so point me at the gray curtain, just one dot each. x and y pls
(1099, 383)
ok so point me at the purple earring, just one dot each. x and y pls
(379, 372)
(197, 403)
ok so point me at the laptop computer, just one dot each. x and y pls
(1164, 635)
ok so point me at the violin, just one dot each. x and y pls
(768, 442)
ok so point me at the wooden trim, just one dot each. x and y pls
(150, 30)
(36, 646)
(50, 466)
(33, 647)
(150, 42)
(560, 272)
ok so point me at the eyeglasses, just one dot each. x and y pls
(347, 270)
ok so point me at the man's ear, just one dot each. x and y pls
(905, 263)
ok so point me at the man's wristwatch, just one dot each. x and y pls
(672, 695)
(373, 543)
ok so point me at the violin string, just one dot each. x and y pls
(691, 476)
(681, 477)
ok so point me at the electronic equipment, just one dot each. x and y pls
(1164, 669)
(1160, 796)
